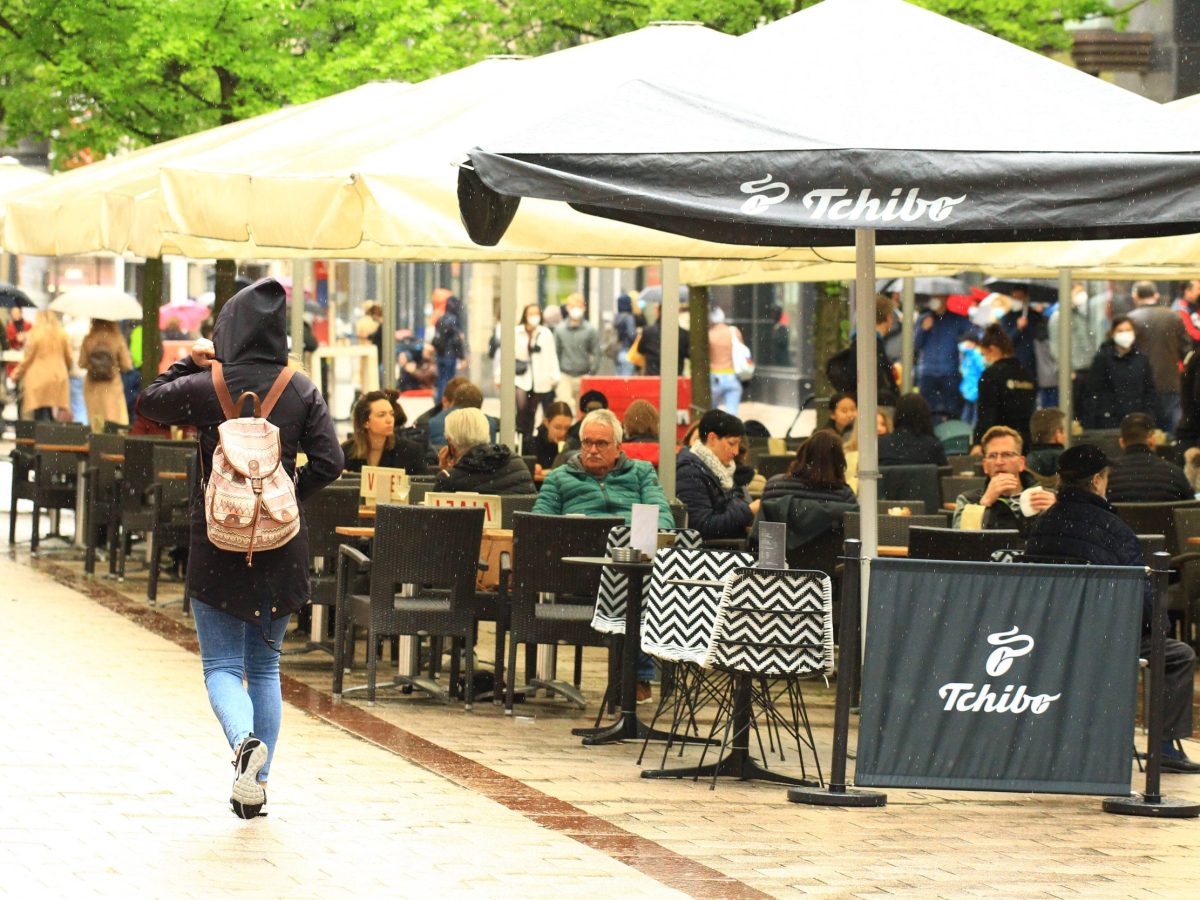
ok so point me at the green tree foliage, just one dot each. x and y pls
(95, 74)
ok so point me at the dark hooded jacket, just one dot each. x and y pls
(488, 469)
(251, 342)
(1117, 386)
(448, 340)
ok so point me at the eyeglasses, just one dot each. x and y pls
(1002, 454)
(595, 445)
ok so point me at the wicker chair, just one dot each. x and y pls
(436, 596)
(893, 530)
(324, 511)
(134, 513)
(55, 473)
(21, 484)
(511, 504)
(170, 508)
(539, 545)
(770, 464)
(953, 485)
(103, 483)
(917, 482)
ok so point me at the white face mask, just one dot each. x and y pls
(1124, 339)
(716, 316)
(534, 320)
(1080, 299)
(935, 306)
(1016, 306)
(575, 313)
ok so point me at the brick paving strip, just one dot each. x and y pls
(646, 856)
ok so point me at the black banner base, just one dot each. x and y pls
(817, 796)
(1165, 808)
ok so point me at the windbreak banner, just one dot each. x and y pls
(999, 677)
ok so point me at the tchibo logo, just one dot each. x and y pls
(964, 696)
(840, 205)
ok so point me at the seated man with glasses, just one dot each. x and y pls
(1004, 466)
(600, 480)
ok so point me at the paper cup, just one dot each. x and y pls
(1027, 509)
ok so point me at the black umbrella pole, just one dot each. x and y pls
(849, 640)
(1152, 803)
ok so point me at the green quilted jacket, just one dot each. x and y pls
(570, 490)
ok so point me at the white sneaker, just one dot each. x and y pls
(248, 796)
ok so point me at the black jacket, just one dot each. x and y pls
(1083, 525)
(405, 455)
(787, 486)
(1007, 396)
(543, 448)
(1043, 458)
(650, 346)
(907, 448)
(1117, 386)
(251, 342)
(1139, 476)
(488, 469)
(712, 510)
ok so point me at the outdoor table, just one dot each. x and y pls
(172, 476)
(366, 512)
(117, 458)
(61, 448)
(887, 550)
(949, 507)
(1193, 540)
(628, 727)
(26, 442)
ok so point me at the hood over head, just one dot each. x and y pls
(252, 325)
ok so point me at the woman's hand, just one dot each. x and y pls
(203, 353)
(445, 459)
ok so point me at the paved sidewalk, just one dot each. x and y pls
(486, 803)
(114, 780)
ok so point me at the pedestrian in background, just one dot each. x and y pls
(626, 328)
(450, 345)
(578, 347)
(1120, 380)
(936, 341)
(1160, 335)
(1007, 392)
(104, 356)
(44, 371)
(726, 386)
(537, 372)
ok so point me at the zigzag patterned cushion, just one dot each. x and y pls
(609, 617)
(678, 618)
(774, 622)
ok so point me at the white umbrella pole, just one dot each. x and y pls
(388, 298)
(908, 306)
(296, 324)
(868, 450)
(668, 382)
(1065, 312)
(508, 347)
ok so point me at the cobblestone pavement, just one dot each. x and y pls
(114, 775)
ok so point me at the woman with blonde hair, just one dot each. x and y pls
(45, 370)
(103, 357)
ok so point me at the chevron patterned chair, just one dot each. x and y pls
(773, 628)
(612, 599)
(678, 616)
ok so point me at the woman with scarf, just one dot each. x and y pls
(241, 611)
(717, 508)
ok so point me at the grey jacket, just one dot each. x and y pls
(578, 348)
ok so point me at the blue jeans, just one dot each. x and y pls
(1172, 411)
(447, 368)
(624, 367)
(79, 411)
(726, 392)
(231, 649)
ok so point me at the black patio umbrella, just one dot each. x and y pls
(1040, 290)
(13, 296)
(929, 286)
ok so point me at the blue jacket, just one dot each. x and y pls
(1084, 526)
(712, 510)
(570, 490)
(437, 428)
(939, 345)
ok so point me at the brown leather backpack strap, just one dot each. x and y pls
(222, 391)
(273, 395)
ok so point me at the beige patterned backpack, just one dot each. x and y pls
(250, 500)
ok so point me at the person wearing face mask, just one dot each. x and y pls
(578, 346)
(1121, 380)
(936, 342)
(1089, 327)
(1007, 392)
(537, 371)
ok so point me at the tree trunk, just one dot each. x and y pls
(831, 331)
(224, 287)
(152, 292)
(698, 349)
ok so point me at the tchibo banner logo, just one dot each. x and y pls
(840, 205)
(966, 696)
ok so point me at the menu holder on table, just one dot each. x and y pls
(467, 500)
(380, 484)
(643, 529)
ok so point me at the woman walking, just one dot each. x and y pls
(537, 371)
(104, 358)
(45, 370)
(1120, 381)
(242, 611)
